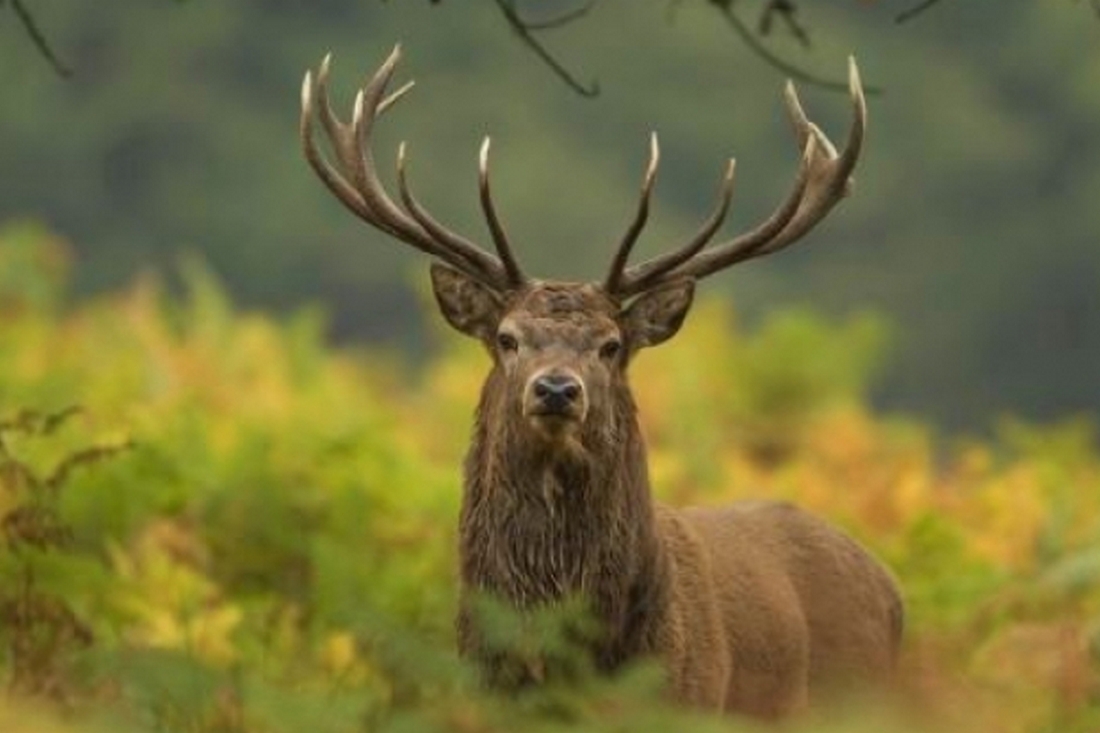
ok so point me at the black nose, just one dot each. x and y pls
(556, 392)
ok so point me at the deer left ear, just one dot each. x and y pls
(657, 314)
(468, 306)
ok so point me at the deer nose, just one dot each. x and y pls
(556, 392)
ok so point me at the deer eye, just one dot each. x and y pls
(507, 342)
(610, 349)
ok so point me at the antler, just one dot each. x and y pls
(354, 180)
(823, 179)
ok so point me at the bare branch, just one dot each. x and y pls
(521, 29)
(786, 10)
(914, 11)
(770, 58)
(564, 19)
(39, 39)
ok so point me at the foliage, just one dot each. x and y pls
(274, 550)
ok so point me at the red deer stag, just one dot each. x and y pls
(756, 607)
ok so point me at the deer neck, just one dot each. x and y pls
(540, 524)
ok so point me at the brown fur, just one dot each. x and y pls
(756, 608)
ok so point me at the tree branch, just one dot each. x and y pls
(786, 10)
(907, 15)
(750, 40)
(38, 38)
(564, 19)
(523, 30)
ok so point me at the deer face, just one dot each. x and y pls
(560, 349)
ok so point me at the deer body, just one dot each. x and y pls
(756, 608)
(746, 605)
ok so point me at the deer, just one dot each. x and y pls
(756, 608)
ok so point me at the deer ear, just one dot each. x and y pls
(468, 306)
(657, 315)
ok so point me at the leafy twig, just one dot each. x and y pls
(524, 29)
(32, 422)
(55, 420)
(39, 38)
(85, 457)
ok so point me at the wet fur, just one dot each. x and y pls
(757, 607)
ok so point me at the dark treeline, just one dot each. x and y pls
(974, 226)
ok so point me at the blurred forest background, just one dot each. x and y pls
(230, 433)
(974, 229)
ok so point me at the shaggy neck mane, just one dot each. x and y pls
(543, 521)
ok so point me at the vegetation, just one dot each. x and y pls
(214, 522)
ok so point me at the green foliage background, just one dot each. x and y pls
(974, 226)
(243, 530)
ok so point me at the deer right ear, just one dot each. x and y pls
(468, 306)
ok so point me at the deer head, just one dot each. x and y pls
(560, 349)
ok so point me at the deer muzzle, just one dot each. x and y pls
(555, 396)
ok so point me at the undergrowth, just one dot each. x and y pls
(244, 530)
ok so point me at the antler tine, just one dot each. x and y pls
(823, 179)
(747, 244)
(343, 139)
(359, 158)
(395, 97)
(354, 179)
(339, 134)
(485, 267)
(833, 179)
(339, 187)
(612, 284)
(638, 278)
(500, 238)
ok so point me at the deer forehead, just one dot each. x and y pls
(575, 314)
